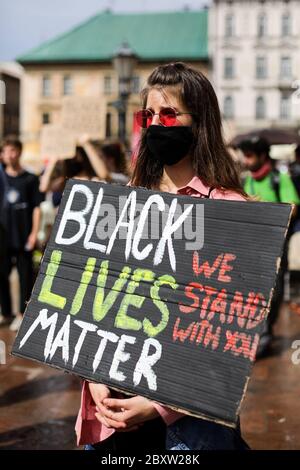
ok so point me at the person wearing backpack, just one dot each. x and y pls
(266, 183)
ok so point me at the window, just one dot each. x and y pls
(67, 85)
(285, 106)
(260, 109)
(229, 26)
(228, 67)
(262, 25)
(261, 67)
(46, 118)
(286, 67)
(46, 85)
(228, 107)
(135, 84)
(108, 125)
(107, 85)
(286, 25)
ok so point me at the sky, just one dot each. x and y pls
(25, 24)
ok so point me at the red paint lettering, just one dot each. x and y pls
(219, 306)
(236, 310)
(209, 292)
(190, 295)
(226, 267)
(205, 267)
(181, 334)
(251, 308)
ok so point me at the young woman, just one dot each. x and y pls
(182, 152)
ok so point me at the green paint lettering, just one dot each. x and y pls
(149, 329)
(46, 295)
(123, 320)
(102, 305)
(85, 280)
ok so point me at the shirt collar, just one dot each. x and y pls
(195, 185)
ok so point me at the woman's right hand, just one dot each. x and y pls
(99, 392)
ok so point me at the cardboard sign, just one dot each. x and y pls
(82, 115)
(57, 142)
(156, 294)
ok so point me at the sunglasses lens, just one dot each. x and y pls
(167, 117)
(143, 118)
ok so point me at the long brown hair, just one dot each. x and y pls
(210, 158)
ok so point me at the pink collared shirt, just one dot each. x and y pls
(88, 429)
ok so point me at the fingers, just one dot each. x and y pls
(99, 392)
(102, 420)
(112, 413)
(118, 416)
(116, 403)
(110, 423)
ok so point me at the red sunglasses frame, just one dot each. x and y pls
(160, 114)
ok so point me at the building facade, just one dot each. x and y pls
(254, 46)
(10, 79)
(79, 63)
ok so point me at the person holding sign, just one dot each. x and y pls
(181, 152)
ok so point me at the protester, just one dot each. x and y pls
(92, 161)
(265, 181)
(23, 217)
(3, 191)
(181, 152)
(85, 164)
(268, 184)
(295, 174)
(295, 170)
(116, 162)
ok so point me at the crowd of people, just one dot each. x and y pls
(181, 151)
(23, 211)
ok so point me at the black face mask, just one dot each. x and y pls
(169, 145)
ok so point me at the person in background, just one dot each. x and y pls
(116, 162)
(295, 174)
(112, 155)
(295, 169)
(23, 217)
(92, 161)
(3, 191)
(268, 184)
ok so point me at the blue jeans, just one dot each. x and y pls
(191, 433)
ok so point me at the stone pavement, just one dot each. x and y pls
(38, 404)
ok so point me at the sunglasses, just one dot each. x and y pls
(167, 117)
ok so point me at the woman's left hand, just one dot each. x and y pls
(129, 411)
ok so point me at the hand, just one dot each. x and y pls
(127, 414)
(31, 242)
(54, 159)
(99, 392)
(83, 140)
